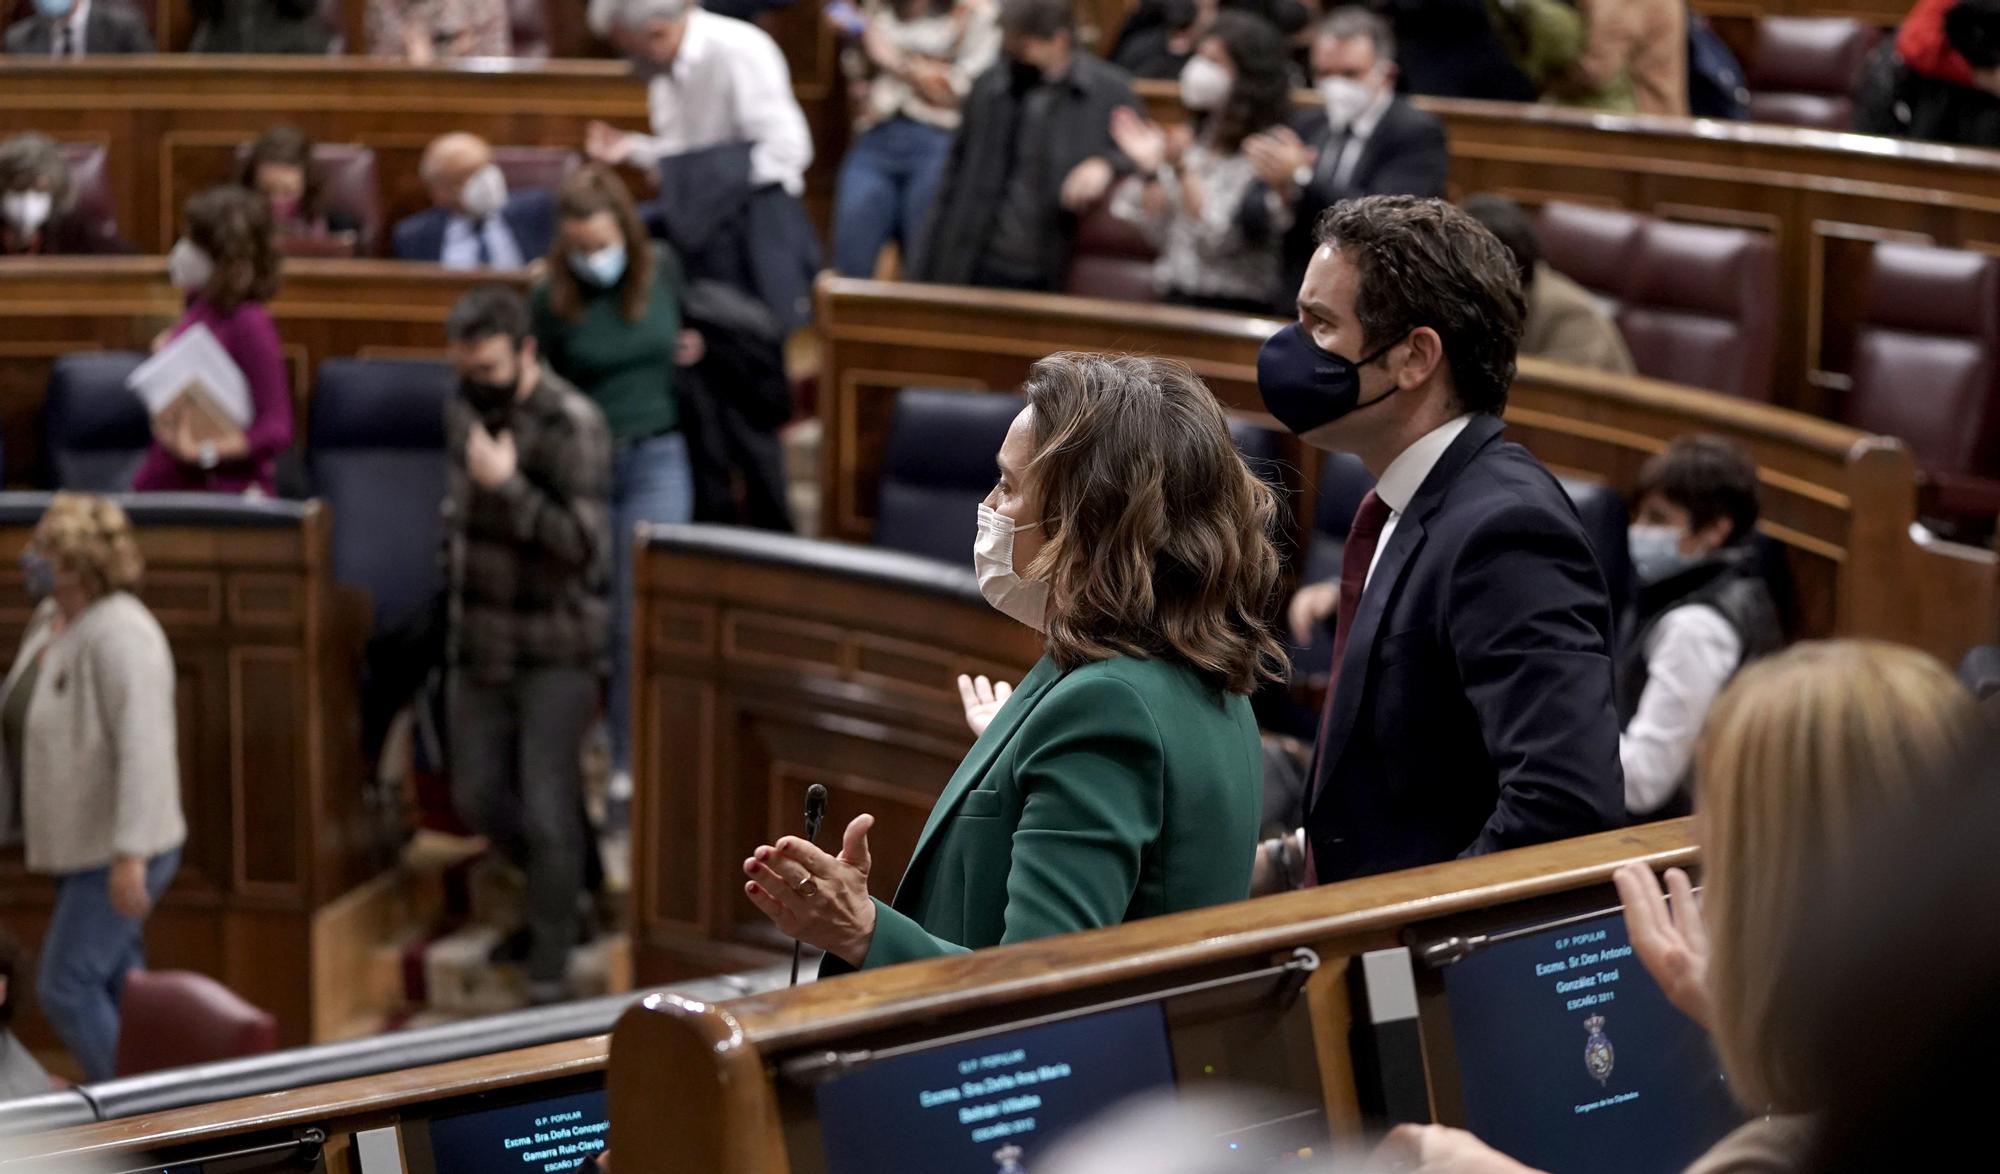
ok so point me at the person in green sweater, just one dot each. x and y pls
(607, 318)
(1121, 779)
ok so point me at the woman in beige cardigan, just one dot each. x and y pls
(90, 775)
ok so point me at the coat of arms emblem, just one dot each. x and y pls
(1597, 1054)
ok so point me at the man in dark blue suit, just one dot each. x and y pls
(1471, 705)
(473, 222)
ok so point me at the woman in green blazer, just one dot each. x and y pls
(1122, 778)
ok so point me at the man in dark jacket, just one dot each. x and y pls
(1471, 706)
(1451, 49)
(1033, 152)
(528, 538)
(1363, 141)
(79, 28)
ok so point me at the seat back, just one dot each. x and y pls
(1592, 246)
(1604, 520)
(1803, 69)
(347, 183)
(375, 451)
(1112, 259)
(1924, 364)
(1701, 307)
(530, 22)
(535, 167)
(937, 468)
(94, 432)
(172, 1018)
(87, 174)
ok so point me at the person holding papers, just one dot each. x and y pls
(227, 265)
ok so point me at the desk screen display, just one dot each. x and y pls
(1571, 1059)
(535, 1137)
(956, 1109)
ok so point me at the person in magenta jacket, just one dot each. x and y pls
(227, 265)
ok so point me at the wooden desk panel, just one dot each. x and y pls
(324, 309)
(266, 651)
(1840, 501)
(697, 1087)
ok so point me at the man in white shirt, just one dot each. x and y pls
(1704, 611)
(75, 28)
(473, 221)
(1470, 708)
(710, 80)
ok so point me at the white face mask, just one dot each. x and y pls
(1656, 552)
(1345, 99)
(27, 211)
(483, 194)
(188, 267)
(993, 559)
(1204, 84)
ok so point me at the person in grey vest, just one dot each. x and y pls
(1704, 611)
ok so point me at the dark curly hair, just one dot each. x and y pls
(1159, 535)
(1262, 95)
(1424, 262)
(233, 226)
(1710, 477)
(284, 146)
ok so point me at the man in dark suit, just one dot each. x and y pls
(77, 28)
(1032, 153)
(1471, 707)
(1364, 140)
(473, 223)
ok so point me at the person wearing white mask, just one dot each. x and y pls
(77, 28)
(1195, 193)
(1364, 140)
(1121, 778)
(607, 318)
(473, 221)
(39, 214)
(1704, 611)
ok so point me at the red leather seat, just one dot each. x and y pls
(1803, 69)
(347, 183)
(1926, 369)
(1112, 259)
(1701, 307)
(167, 1018)
(535, 167)
(87, 165)
(1592, 246)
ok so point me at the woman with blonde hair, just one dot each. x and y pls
(90, 764)
(1123, 777)
(1799, 753)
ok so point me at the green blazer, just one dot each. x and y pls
(1122, 789)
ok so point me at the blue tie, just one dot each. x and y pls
(479, 235)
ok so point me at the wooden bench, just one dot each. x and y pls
(273, 890)
(730, 1088)
(1840, 501)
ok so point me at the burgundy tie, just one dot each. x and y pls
(1362, 538)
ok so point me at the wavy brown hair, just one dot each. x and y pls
(233, 226)
(588, 191)
(284, 146)
(1158, 534)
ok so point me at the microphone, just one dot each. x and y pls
(815, 812)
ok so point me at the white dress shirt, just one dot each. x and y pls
(1690, 655)
(1405, 475)
(77, 20)
(1358, 133)
(729, 83)
(461, 244)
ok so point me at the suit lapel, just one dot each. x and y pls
(974, 765)
(1352, 682)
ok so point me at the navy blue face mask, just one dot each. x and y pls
(1306, 387)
